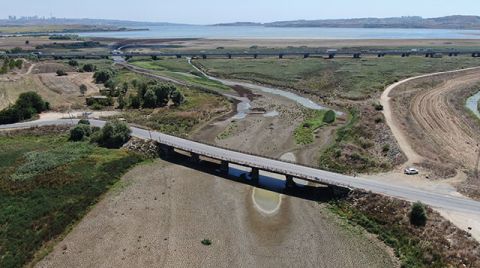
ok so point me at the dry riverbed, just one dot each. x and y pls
(159, 213)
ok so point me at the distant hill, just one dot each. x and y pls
(27, 21)
(239, 24)
(449, 22)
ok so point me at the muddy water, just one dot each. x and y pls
(472, 104)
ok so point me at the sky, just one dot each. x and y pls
(216, 11)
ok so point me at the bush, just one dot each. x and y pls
(61, 73)
(77, 133)
(206, 242)
(149, 99)
(177, 97)
(102, 76)
(329, 117)
(88, 68)
(27, 105)
(73, 63)
(83, 89)
(84, 122)
(378, 107)
(418, 214)
(113, 135)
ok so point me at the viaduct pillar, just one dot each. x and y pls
(195, 158)
(255, 174)
(166, 151)
(289, 183)
(224, 167)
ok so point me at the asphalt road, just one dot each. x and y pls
(435, 200)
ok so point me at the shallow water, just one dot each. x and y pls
(472, 104)
(199, 31)
(305, 102)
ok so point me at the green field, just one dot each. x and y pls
(46, 185)
(178, 69)
(345, 78)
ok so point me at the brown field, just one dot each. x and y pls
(62, 92)
(431, 114)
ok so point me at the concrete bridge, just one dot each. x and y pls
(255, 55)
(258, 164)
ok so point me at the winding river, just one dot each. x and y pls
(305, 102)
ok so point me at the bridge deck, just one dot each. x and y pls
(296, 170)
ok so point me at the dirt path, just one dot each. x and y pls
(159, 214)
(433, 114)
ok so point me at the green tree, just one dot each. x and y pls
(329, 117)
(89, 68)
(121, 102)
(418, 214)
(83, 89)
(113, 135)
(73, 63)
(61, 73)
(102, 76)
(134, 101)
(77, 133)
(150, 99)
(177, 97)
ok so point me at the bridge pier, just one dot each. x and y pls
(229, 56)
(204, 56)
(178, 56)
(255, 55)
(476, 55)
(224, 167)
(357, 55)
(405, 55)
(280, 56)
(166, 151)
(306, 55)
(289, 183)
(255, 175)
(381, 55)
(195, 158)
(331, 55)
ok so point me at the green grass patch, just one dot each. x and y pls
(55, 183)
(304, 134)
(347, 78)
(178, 69)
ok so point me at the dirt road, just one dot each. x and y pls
(425, 121)
(160, 213)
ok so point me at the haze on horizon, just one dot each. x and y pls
(215, 11)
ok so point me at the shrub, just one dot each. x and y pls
(102, 76)
(418, 214)
(77, 133)
(113, 135)
(386, 148)
(177, 97)
(27, 105)
(149, 99)
(88, 68)
(73, 63)
(83, 88)
(329, 117)
(206, 242)
(378, 106)
(84, 122)
(97, 106)
(61, 73)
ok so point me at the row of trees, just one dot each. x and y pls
(27, 105)
(153, 95)
(113, 135)
(10, 64)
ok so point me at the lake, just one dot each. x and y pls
(196, 31)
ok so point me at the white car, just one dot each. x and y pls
(411, 171)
